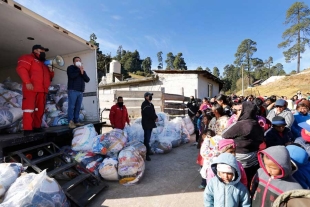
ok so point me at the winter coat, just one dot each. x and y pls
(192, 108)
(204, 106)
(273, 137)
(118, 116)
(293, 198)
(233, 194)
(286, 114)
(246, 132)
(197, 123)
(33, 71)
(264, 188)
(302, 141)
(298, 118)
(76, 80)
(148, 115)
(243, 180)
(300, 159)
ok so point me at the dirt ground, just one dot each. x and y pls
(170, 180)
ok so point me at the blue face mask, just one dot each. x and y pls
(302, 114)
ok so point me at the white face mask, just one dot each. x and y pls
(78, 64)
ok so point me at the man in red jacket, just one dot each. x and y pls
(36, 78)
(118, 114)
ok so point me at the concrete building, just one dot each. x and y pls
(183, 82)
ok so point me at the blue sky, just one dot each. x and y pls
(206, 32)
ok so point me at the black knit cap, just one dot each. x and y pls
(34, 47)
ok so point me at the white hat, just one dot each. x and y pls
(224, 168)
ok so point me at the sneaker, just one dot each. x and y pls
(195, 144)
(201, 187)
(72, 125)
(148, 158)
(79, 124)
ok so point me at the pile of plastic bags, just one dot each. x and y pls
(10, 106)
(109, 155)
(11, 114)
(167, 134)
(120, 154)
(57, 107)
(35, 190)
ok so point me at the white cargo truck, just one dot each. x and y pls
(20, 29)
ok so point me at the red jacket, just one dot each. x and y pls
(31, 70)
(118, 117)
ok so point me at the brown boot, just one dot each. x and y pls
(79, 124)
(72, 125)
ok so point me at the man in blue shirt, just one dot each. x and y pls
(76, 86)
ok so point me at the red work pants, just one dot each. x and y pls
(33, 109)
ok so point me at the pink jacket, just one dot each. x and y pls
(243, 180)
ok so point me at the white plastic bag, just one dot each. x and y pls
(131, 166)
(140, 147)
(35, 190)
(134, 132)
(83, 138)
(189, 124)
(110, 144)
(9, 172)
(108, 169)
(162, 119)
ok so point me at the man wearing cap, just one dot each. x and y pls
(281, 110)
(36, 78)
(304, 140)
(149, 118)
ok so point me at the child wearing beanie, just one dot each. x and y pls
(225, 189)
(228, 146)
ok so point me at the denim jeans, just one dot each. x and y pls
(75, 99)
(147, 137)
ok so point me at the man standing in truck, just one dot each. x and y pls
(36, 77)
(149, 118)
(76, 86)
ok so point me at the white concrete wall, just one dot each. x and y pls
(169, 83)
(173, 83)
(204, 85)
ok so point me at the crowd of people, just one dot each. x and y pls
(251, 149)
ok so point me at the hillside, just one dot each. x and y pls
(288, 86)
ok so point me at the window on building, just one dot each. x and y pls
(210, 87)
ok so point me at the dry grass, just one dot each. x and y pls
(288, 86)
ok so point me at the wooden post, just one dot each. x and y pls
(183, 100)
(162, 102)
